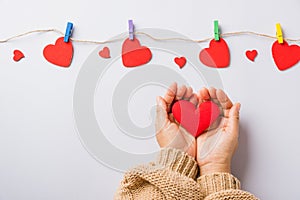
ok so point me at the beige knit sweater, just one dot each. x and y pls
(173, 176)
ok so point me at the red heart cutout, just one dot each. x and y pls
(195, 120)
(217, 55)
(18, 55)
(285, 56)
(59, 54)
(105, 53)
(180, 61)
(133, 54)
(251, 55)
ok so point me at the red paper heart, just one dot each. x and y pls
(133, 54)
(195, 120)
(217, 55)
(104, 53)
(59, 54)
(18, 55)
(180, 61)
(285, 56)
(251, 54)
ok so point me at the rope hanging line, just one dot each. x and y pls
(229, 34)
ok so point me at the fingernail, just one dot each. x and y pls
(238, 106)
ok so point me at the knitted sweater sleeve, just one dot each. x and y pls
(171, 176)
(222, 186)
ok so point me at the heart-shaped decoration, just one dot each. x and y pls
(251, 54)
(217, 55)
(133, 54)
(60, 54)
(195, 120)
(180, 61)
(105, 52)
(18, 55)
(285, 56)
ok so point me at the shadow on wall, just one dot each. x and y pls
(241, 158)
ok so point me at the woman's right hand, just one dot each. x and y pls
(217, 145)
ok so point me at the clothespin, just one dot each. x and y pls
(131, 29)
(68, 32)
(279, 34)
(216, 30)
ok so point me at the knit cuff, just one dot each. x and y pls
(216, 182)
(178, 161)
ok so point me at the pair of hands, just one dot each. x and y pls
(213, 150)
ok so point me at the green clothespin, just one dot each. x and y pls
(216, 30)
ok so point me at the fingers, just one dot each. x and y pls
(194, 99)
(190, 96)
(188, 93)
(213, 93)
(170, 95)
(233, 119)
(223, 99)
(177, 93)
(181, 92)
(203, 95)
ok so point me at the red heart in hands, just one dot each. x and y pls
(217, 55)
(285, 56)
(195, 120)
(133, 54)
(59, 54)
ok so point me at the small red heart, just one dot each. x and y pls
(251, 55)
(217, 55)
(133, 54)
(18, 55)
(195, 120)
(285, 56)
(59, 54)
(180, 61)
(104, 53)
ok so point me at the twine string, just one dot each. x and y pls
(229, 34)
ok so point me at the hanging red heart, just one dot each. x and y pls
(59, 54)
(195, 120)
(251, 54)
(133, 54)
(104, 53)
(285, 56)
(180, 61)
(217, 55)
(18, 55)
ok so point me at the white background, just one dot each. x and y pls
(41, 156)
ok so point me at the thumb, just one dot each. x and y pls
(233, 120)
(161, 113)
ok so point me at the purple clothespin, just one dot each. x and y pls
(131, 29)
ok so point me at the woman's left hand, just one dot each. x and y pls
(168, 132)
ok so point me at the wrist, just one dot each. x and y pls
(211, 168)
(178, 161)
(216, 182)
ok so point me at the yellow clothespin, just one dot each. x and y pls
(279, 33)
